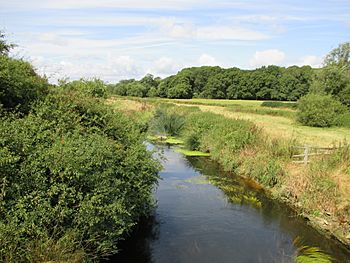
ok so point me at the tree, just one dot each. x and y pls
(318, 110)
(339, 56)
(5, 47)
(334, 78)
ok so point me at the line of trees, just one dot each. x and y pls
(265, 83)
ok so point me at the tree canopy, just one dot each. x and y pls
(266, 83)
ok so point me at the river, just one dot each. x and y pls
(204, 214)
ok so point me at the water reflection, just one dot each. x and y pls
(207, 215)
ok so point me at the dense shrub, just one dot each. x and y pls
(318, 110)
(94, 87)
(19, 84)
(74, 175)
(343, 120)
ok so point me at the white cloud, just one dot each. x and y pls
(229, 33)
(165, 66)
(267, 57)
(174, 29)
(207, 60)
(111, 69)
(312, 61)
(134, 4)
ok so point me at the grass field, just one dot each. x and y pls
(277, 125)
(277, 122)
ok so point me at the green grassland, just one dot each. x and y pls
(276, 122)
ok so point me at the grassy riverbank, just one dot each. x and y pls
(254, 147)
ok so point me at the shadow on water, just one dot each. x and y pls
(207, 215)
(137, 248)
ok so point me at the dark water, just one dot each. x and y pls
(206, 215)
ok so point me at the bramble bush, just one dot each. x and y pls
(93, 87)
(74, 179)
(19, 84)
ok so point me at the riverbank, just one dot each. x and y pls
(318, 191)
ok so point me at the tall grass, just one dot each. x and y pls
(166, 122)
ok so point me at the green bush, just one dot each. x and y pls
(19, 84)
(74, 175)
(343, 120)
(319, 110)
(94, 87)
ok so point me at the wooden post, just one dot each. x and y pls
(306, 154)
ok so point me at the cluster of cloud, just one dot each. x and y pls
(122, 39)
(278, 57)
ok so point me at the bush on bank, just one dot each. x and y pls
(19, 84)
(74, 177)
(319, 110)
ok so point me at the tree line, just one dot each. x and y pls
(265, 83)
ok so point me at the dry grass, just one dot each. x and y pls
(126, 105)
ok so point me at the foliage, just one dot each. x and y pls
(146, 87)
(334, 81)
(167, 122)
(20, 85)
(318, 110)
(94, 87)
(71, 168)
(267, 83)
(5, 47)
(311, 255)
(339, 56)
(223, 139)
(307, 254)
(343, 120)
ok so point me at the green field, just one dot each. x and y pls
(277, 122)
(278, 126)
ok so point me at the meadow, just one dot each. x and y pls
(277, 122)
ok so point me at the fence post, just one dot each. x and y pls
(306, 154)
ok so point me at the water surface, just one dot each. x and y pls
(206, 215)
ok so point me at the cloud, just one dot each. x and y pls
(126, 4)
(207, 60)
(189, 30)
(111, 69)
(312, 61)
(267, 57)
(174, 29)
(165, 66)
(229, 33)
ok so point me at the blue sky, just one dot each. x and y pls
(121, 39)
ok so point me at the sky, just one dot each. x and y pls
(122, 39)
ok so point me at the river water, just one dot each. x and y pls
(206, 215)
